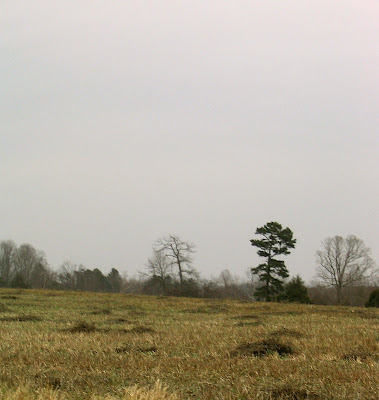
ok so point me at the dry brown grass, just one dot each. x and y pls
(183, 348)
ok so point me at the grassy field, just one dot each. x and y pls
(69, 345)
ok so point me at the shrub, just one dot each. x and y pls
(295, 291)
(18, 282)
(373, 300)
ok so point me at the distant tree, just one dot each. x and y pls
(274, 242)
(81, 278)
(229, 284)
(7, 250)
(343, 262)
(26, 259)
(211, 289)
(95, 281)
(295, 291)
(67, 277)
(190, 288)
(42, 276)
(132, 285)
(19, 282)
(226, 279)
(179, 256)
(373, 300)
(159, 271)
(114, 280)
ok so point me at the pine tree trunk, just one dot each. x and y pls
(268, 278)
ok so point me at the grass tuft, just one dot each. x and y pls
(264, 348)
(104, 311)
(9, 297)
(142, 329)
(360, 354)
(49, 381)
(123, 320)
(251, 323)
(292, 393)
(129, 348)
(212, 309)
(82, 326)
(246, 317)
(21, 318)
(3, 308)
(287, 332)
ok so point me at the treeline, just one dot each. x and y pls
(26, 267)
(168, 272)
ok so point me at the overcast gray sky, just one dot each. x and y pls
(124, 121)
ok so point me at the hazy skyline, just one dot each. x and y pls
(123, 122)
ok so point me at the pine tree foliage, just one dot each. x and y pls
(295, 291)
(373, 300)
(274, 242)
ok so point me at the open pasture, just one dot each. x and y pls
(71, 345)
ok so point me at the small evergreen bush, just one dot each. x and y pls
(18, 282)
(295, 291)
(373, 300)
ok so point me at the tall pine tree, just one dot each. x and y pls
(274, 242)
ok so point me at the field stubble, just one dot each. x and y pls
(70, 345)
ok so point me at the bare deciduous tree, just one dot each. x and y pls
(226, 279)
(230, 284)
(179, 255)
(159, 271)
(26, 260)
(7, 250)
(67, 276)
(344, 262)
